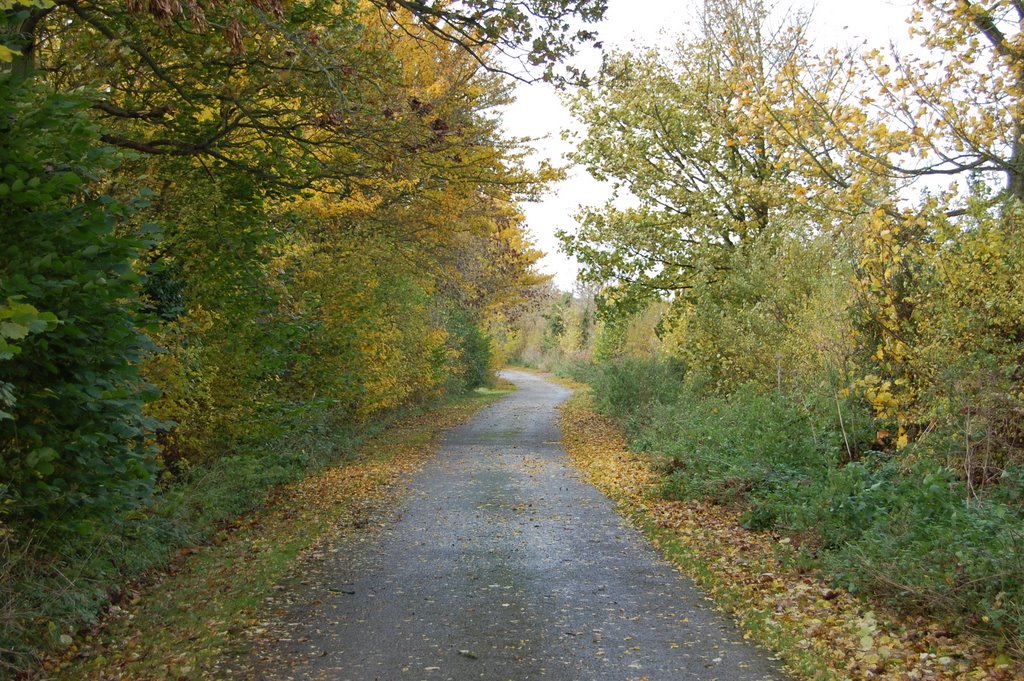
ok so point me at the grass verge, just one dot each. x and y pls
(195, 612)
(820, 632)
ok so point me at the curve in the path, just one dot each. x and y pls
(501, 564)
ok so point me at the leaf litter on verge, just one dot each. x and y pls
(820, 631)
(193, 620)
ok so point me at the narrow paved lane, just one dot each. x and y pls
(502, 564)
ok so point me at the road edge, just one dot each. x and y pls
(197, 615)
(819, 632)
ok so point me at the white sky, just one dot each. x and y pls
(538, 112)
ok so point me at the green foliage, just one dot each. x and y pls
(753, 324)
(913, 533)
(633, 387)
(555, 327)
(722, 448)
(65, 587)
(73, 447)
(472, 347)
(688, 133)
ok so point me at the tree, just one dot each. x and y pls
(695, 144)
(170, 88)
(960, 102)
(952, 108)
(544, 27)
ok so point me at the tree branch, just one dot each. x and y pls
(143, 114)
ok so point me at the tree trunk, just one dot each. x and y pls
(24, 63)
(1015, 172)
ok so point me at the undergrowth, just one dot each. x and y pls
(47, 595)
(897, 525)
(202, 616)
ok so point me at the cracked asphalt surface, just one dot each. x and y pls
(502, 564)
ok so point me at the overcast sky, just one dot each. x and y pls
(538, 112)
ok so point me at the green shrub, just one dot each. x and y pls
(631, 387)
(44, 594)
(711, 446)
(909, 531)
(73, 448)
(584, 372)
(473, 348)
(915, 535)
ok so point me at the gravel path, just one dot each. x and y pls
(501, 564)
